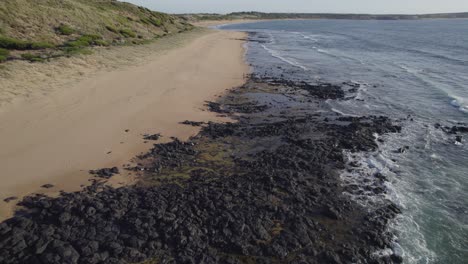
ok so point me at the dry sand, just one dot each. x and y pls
(56, 131)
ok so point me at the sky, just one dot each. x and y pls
(307, 6)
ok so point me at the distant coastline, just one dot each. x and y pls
(269, 16)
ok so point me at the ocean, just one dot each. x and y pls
(415, 72)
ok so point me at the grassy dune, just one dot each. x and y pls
(37, 30)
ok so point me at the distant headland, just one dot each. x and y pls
(260, 16)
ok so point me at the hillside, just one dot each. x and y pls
(40, 29)
(260, 15)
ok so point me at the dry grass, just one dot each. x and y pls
(38, 20)
(52, 26)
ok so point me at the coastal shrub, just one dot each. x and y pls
(32, 57)
(157, 22)
(127, 33)
(101, 42)
(145, 20)
(65, 30)
(4, 55)
(112, 29)
(11, 43)
(85, 41)
(78, 43)
(91, 37)
(41, 45)
(151, 21)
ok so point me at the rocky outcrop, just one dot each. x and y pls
(262, 190)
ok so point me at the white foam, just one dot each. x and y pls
(313, 38)
(272, 38)
(276, 54)
(323, 51)
(460, 102)
(409, 69)
(361, 179)
(342, 113)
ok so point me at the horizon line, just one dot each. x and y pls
(324, 13)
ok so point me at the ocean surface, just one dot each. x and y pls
(413, 71)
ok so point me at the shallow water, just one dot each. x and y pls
(417, 68)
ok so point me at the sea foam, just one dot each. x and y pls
(277, 54)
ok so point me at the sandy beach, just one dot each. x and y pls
(55, 135)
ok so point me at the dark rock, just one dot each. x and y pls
(459, 129)
(41, 246)
(47, 186)
(9, 199)
(152, 137)
(402, 149)
(192, 123)
(396, 258)
(265, 189)
(105, 173)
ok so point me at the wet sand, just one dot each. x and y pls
(56, 139)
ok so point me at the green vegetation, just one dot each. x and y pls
(127, 33)
(101, 42)
(41, 45)
(4, 54)
(70, 27)
(85, 41)
(152, 20)
(70, 51)
(112, 29)
(65, 30)
(11, 43)
(32, 57)
(16, 44)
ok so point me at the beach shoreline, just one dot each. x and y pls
(54, 135)
(264, 188)
(269, 165)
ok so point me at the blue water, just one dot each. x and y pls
(417, 68)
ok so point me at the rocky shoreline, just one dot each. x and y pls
(265, 189)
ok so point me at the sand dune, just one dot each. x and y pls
(57, 138)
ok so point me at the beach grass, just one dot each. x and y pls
(3, 54)
(17, 44)
(32, 57)
(128, 33)
(71, 25)
(65, 30)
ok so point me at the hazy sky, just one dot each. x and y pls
(307, 6)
